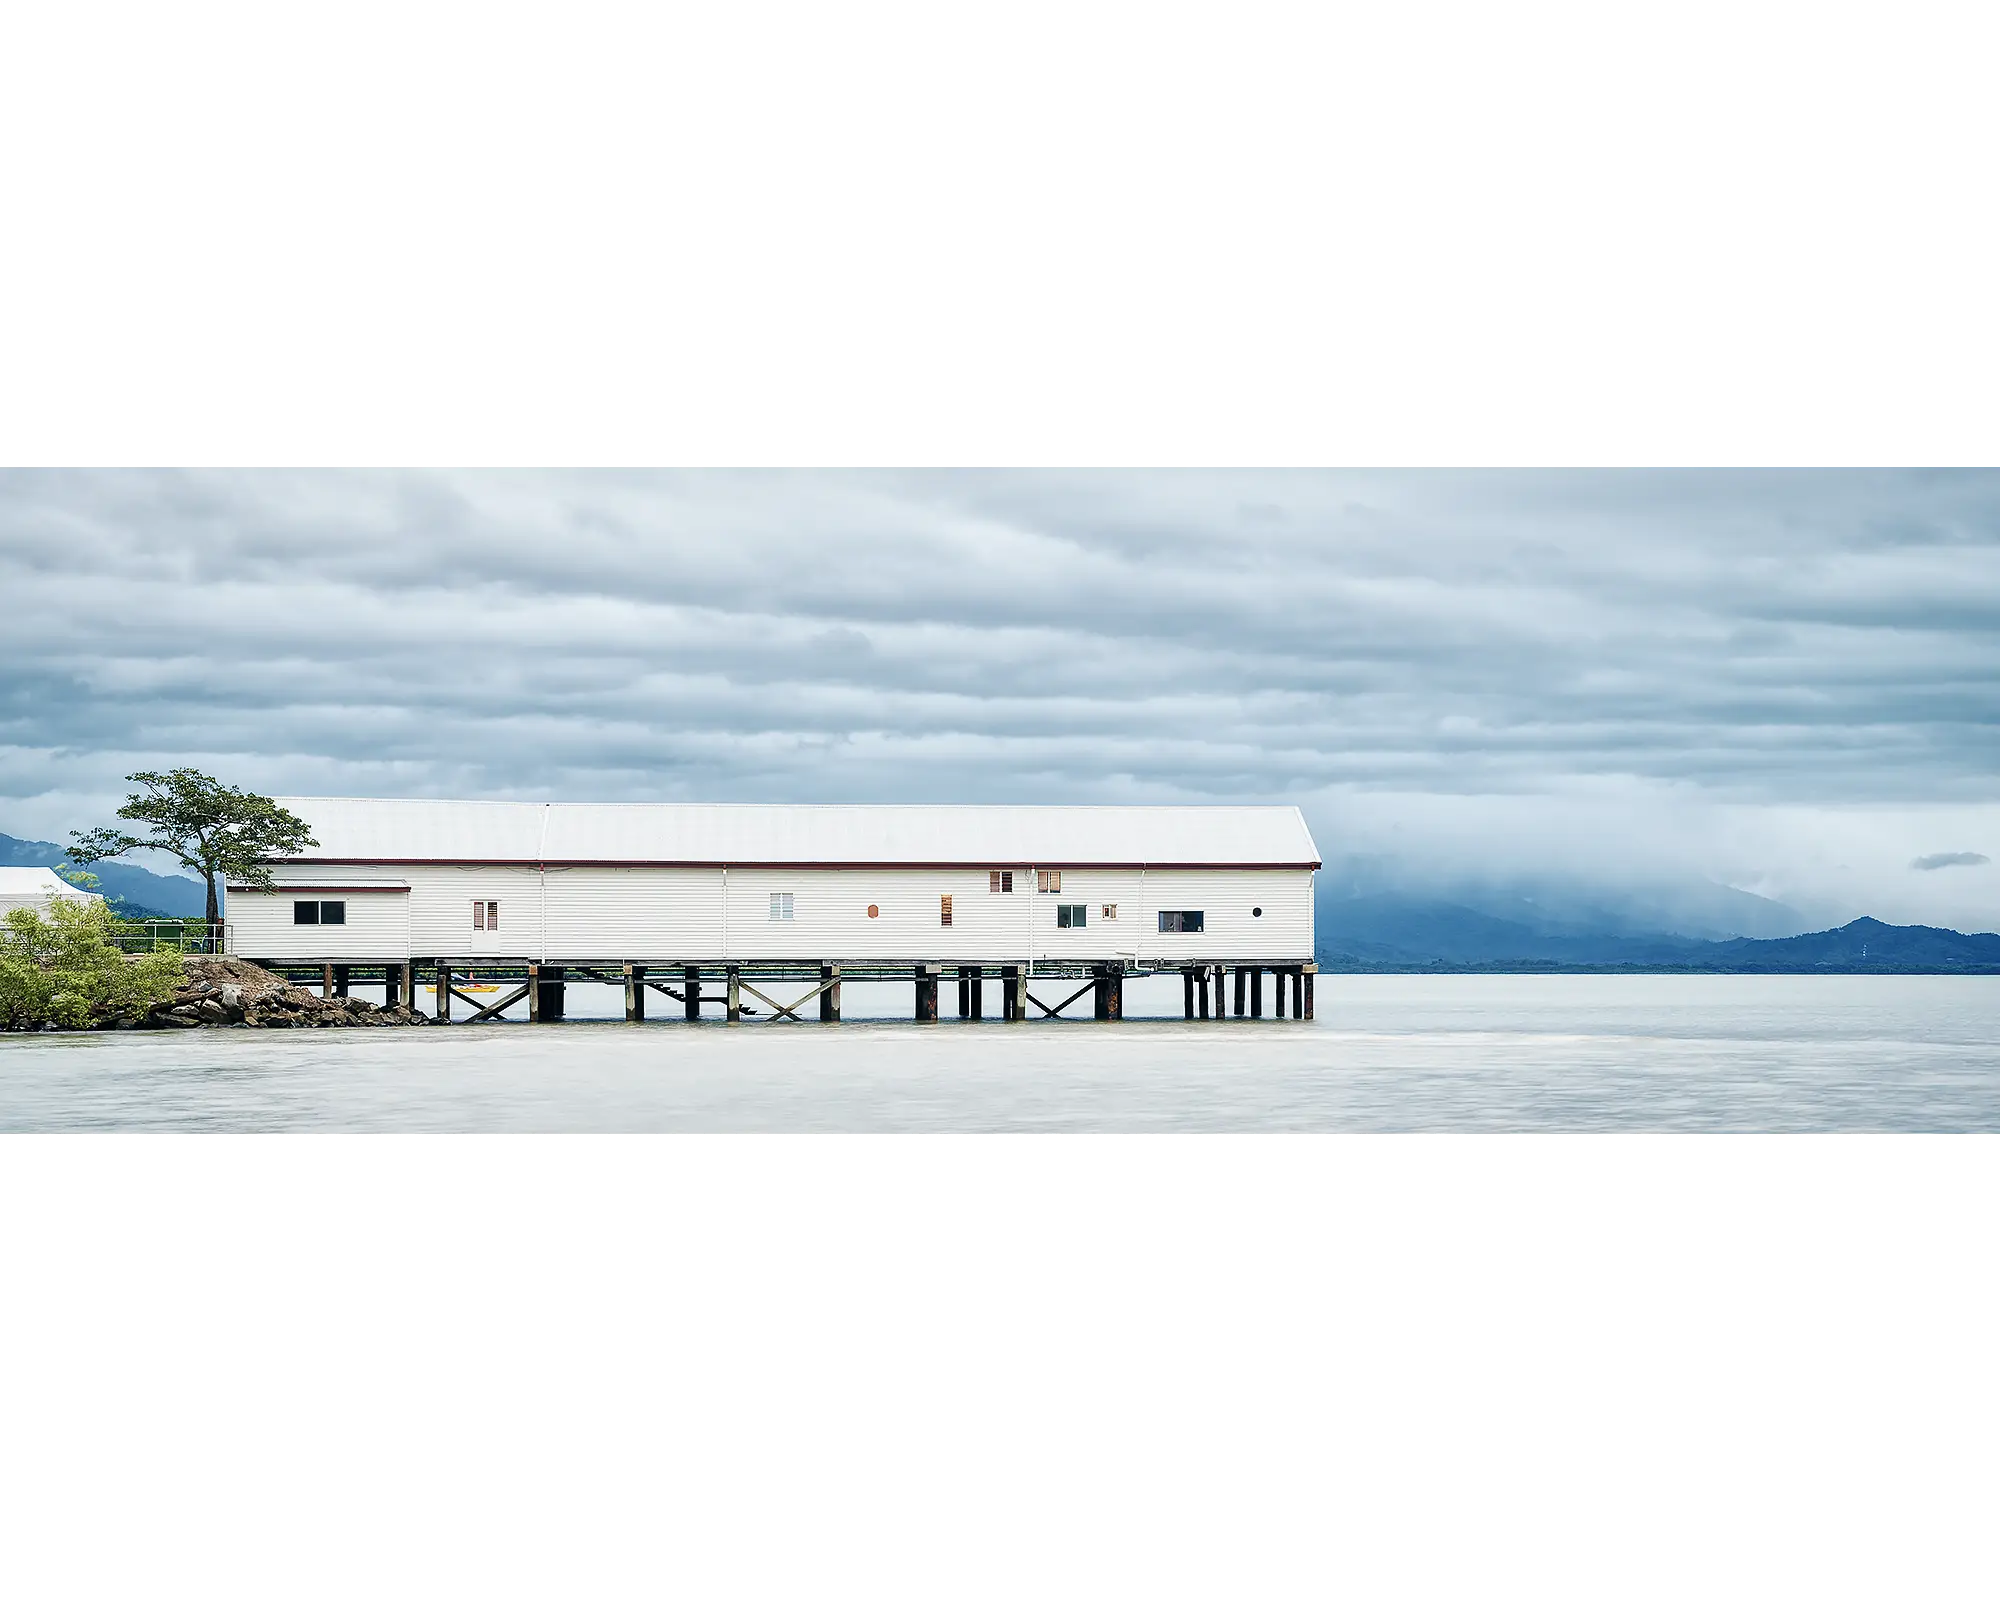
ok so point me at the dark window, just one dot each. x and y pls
(305, 911)
(1180, 921)
(1070, 916)
(333, 911)
(1000, 882)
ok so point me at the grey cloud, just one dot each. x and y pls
(1950, 858)
(1759, 639)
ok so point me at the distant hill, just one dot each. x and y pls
(1392, 933)
(132, 891)
(1864, 945)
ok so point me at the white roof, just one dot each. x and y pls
(523, 831)
(34, 882)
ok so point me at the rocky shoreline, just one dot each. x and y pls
(220, 992)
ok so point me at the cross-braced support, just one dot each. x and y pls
(790, 1012)
(1058, 1010)
(484, 1013)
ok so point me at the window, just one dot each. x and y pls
(1110, 913)
(309, 913)
(781, 907)
(1180, 921)
(1070, 916)
(304, 912)
(1048, 883)
(944, 911)
(332, 911)
(486, 916)
(999, 883)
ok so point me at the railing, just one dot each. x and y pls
(189, 936)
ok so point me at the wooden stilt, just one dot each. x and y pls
(548, 994)
(1256, 992)
(927, 993)
(443, 992)
(977, 978)
(964, 995)
(534, 993)
(391, 987)
(1013, 1005)
(1241, 980)
(1307, 984)
(829, 997)
(1298, 994)
(635, 993)
(1187, 994)
(1114, 994)
(735, 999)
(326, 982)
(1201, 983)
(1220, 984)
(691, 992)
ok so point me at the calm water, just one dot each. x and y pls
(1387, 1053)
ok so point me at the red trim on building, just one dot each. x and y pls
(325, 888)
(983, 865)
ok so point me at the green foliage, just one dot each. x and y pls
(214, 828)
(62, 967)
(78, 877)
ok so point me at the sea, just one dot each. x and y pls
(1421, 1053)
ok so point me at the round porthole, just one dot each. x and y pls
(1256, 911)
(874, 911)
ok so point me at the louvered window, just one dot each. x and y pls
(486, 916)
(781, 907)
(944, 911)
(1000, 882)
(1048, 883)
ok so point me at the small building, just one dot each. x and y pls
(1041, 887)
(31, 887)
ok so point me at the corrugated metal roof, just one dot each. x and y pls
(504, 830)
(38, 881)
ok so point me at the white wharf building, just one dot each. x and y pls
(1015, 891)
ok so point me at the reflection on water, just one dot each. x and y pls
(1387, 1053)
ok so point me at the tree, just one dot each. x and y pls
(62, 967)
(214, 828)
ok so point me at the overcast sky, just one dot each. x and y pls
(1783, 682)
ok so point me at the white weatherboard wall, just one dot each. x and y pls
(674, 914)
(377, 926)
(628, 884)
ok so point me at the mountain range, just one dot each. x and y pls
(1395, 933)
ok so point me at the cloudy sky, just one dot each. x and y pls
(1781, 682)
